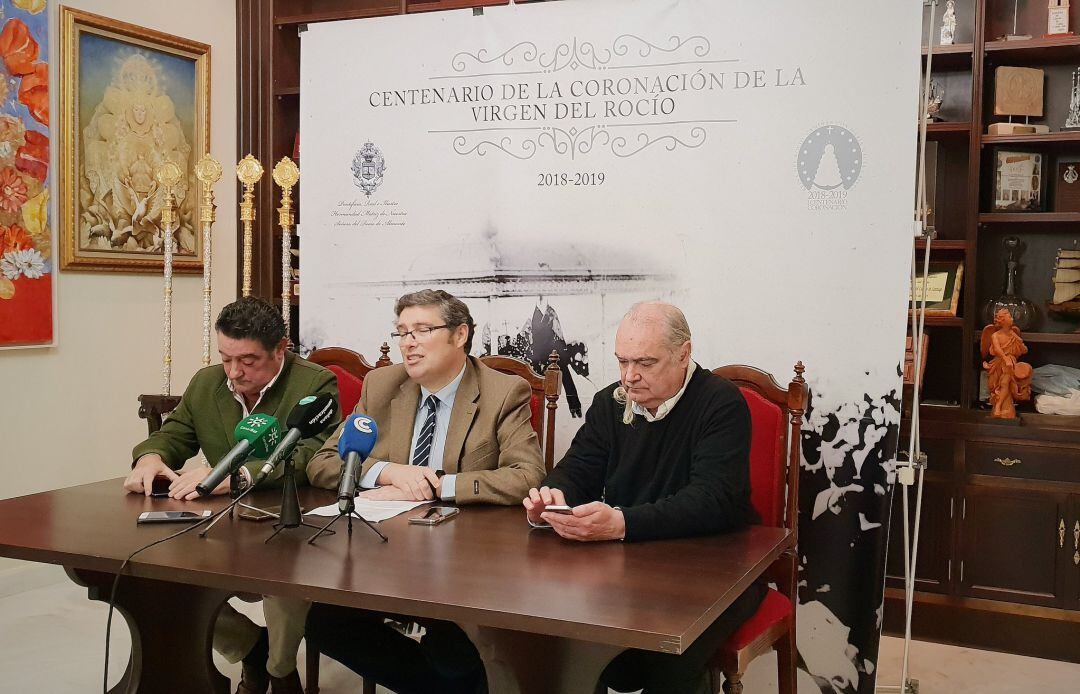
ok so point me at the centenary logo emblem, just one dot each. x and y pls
(367, 168)
(829, 163)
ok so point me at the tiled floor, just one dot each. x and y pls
(52, 640)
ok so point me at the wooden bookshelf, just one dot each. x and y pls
(969, 586)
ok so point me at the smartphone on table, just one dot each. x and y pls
(435, 515)
(172, 516)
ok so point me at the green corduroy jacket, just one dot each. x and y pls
(208, 413)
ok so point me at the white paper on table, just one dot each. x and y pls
(371, 511)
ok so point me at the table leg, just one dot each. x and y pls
(523, 663)
(172, 627)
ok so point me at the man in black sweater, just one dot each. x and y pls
(663, 453)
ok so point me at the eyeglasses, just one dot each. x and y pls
(418, 334)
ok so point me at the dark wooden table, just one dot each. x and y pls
(546, 614)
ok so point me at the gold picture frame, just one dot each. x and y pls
(943, 292)
(131, 99)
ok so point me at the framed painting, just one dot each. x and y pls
(27, 271)
(131, 100)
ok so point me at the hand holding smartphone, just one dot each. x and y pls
(160, 487)
(557, 508)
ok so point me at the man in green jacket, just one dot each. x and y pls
(257, 375)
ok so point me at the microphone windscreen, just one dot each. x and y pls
(312, 414)
(262, 431)
(358, 436)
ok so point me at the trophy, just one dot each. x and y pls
(1073, 120)
(933, 103)
(1057, 19)
(1018, 91)
(1015, 36)
(948, 24)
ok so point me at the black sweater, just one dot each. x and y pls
(687, 474)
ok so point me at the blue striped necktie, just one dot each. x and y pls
(422, 452)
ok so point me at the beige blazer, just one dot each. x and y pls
(490, 444)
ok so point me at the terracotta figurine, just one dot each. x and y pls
(1009, 379)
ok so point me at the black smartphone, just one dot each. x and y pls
(555, 508)
(159, 488)
(435, 515)
(172, 516)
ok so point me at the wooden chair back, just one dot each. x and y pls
(545, 397)
(153, 409)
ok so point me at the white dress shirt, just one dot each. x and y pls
(268, 386)
(668, 405)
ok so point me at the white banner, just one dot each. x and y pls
(752, 162)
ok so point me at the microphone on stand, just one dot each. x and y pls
(307, 419)
(255, 435)
(358, 437)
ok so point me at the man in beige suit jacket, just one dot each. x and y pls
(484, 449)
(449, 428)
(490, 446)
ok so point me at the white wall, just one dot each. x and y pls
(68, 414)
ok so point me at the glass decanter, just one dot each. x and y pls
(1022, 310)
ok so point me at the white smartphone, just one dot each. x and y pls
(556, 508)
(172, 516)
(435, 515)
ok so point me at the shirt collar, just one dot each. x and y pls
(668, 405)
(446, 393)
(268, 386)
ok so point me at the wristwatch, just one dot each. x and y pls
(242, 480)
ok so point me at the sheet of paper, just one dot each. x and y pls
(371, 511)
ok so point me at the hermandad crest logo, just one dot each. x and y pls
(367, 168)
(362, 424)
(829, 163)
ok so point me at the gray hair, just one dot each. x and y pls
(676, 334)
(676, 329)
(453, 310)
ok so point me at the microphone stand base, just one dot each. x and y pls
(278, 527)
(326, 528)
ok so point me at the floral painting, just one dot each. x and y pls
(26, 247)
(136, 99)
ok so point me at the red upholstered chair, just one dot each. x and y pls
(776, 413)
(545, 396)
(350, 369)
